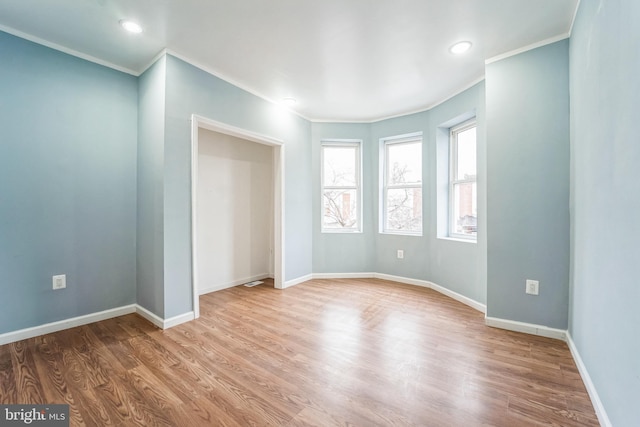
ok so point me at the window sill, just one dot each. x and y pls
(341, 231)
(458, 239)
(392, 233)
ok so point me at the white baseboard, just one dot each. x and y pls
(400, 279)
(441, 289)
(459, 297)
(60, 325)
(511, 325)
(603, 418)
(297, 281)
(73, 322)
(369, 275)
(164, 323)
(177, 320)
(343, 275)
(151, 317)
(563, 335)
(527, 328)
(219, 287)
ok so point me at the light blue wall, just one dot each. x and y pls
(417, 258)
(459, 266)
(605, 201)
(75, 159)
(150, 224)
(190, 90)
(344, 252)
(67, 185)
(527, 101)
(95, 167)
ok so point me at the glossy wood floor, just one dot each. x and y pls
(323, 353)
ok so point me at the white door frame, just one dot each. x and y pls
(199, 122)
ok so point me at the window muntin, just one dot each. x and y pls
(402, 186)
(341, 186)
(463, 187)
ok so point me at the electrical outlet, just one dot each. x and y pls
(400, 254)
(532, 287)
(60, 281)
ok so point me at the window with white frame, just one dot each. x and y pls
(341, 186)
(402, 185)
(463, 188)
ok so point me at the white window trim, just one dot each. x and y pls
(357, 143)
(384, 144)
(453, 173)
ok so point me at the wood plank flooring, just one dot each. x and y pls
(324, 353)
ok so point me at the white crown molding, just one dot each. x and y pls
(406, 113)
(523, 49)
(231, 81)
(575, 15)
(155, 59)
(239, 85)
(66, 50)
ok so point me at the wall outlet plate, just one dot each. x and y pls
(59, 281)
(400, 254)
(532, 287)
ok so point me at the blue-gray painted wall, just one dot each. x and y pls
(67, 185)
(417, 258)
(527, 101)
(459, 266)
(605, 202)
(86, 189)
(344, 252)
(150, 218)
(170, 92)
(190, 90)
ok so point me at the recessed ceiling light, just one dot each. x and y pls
(289, 102)
(130, 26)
(460, 47)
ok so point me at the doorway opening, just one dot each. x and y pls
(267, 172)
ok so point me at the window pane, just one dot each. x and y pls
(339, 207)
(465, 209)
(467, 154)
(404, 163)
(339, 166)
(404, 209)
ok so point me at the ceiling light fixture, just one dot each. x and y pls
(460, 47)
(289, 102)
(130, 26)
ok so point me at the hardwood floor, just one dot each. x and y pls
(324, 353)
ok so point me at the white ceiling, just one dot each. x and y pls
(343, 60)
